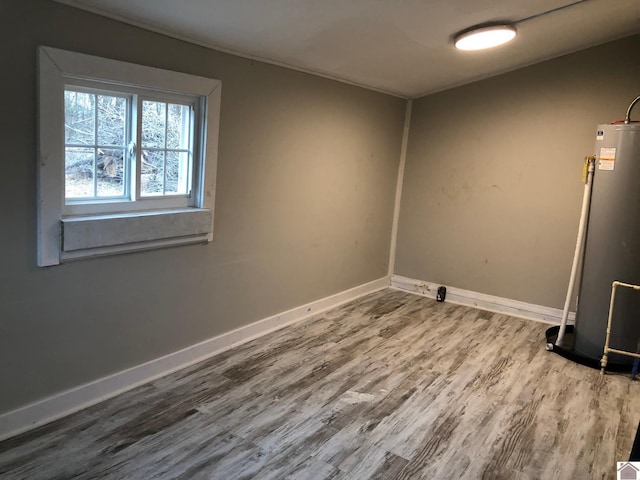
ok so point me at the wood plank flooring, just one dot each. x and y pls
(392, 386)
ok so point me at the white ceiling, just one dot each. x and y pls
(401, 47)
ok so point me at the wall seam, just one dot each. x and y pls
(399, 185)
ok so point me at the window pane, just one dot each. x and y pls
(153, 124)
(178, 127)
(110, 173)
(112, 120)
(78, 172)
(79, 117)
(177, 173)
(152, 173)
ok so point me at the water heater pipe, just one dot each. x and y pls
(627, 117)
(577, 257)
(607, 349)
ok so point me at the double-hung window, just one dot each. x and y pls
(127, 156)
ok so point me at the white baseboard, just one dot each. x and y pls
(482, 301)
(70, 401)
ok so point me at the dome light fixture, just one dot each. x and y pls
(479, 38)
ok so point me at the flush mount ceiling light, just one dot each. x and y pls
(484, 37)
(493, 34)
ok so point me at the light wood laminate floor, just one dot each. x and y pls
(392, 386)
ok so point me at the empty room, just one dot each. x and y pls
(248, 239)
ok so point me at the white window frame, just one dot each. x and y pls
(135, 97)
(63, 235)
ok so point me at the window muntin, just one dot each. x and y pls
(166, 143)
(97, 133)
(131, 150)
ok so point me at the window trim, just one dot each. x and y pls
(55, 66)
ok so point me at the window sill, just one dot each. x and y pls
(95, 235)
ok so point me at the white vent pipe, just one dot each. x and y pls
(580, 243)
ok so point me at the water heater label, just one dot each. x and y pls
(600, 135)
(607, 159)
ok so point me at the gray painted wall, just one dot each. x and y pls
(492, 190)
(306, 181)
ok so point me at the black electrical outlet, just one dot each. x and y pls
(442, 293)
